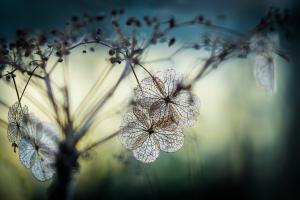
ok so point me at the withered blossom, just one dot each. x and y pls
(38, 147)
(16, 115)
(264, 70)
(146, 136)
(164, 96)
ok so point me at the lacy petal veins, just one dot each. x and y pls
(38, 147)
(15, 122)
(146, 136)
(163, 96)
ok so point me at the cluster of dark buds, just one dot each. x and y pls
(161, 111)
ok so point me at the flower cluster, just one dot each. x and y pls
(37, 141)
(157, 119)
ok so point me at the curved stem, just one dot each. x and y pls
(92, 146)
(88, 121)
(28, 82)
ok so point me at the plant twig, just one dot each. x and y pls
(94, 145)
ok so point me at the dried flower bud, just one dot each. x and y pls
(114, 12)
(172, 23)
(111, 52)
(75, 19)
(171, 41)
(100, 17)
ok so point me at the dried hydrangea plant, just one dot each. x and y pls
(164, 105)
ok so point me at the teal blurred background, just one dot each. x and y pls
(244, 144)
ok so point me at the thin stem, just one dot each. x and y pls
(88, 121)
(28, 82)
(51, 97)
(92, 146)
(135, 75)
(89, 42)
(66, 91)
(144, 68)
(53, 67)
(40, 106)
(21, 69)
(169, 58)
(37, 103)
(8, 73)
(16, 89)
(154, 80)
(98, 83)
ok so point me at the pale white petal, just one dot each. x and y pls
(13, 133)
(170, 79)
(43, 170)
(170, 141)
(264, 73)
(147, 92)
(27, 153)
(15, 122)
(29, 128)
(186, 106)
(148, 151)
(38, 147)
(15, 112)
(47, 138)
(132, 136)
(158, 110)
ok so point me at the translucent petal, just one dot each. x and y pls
(47, 137)
(158, 110)
(13, 133)
(148, 90)
(132, 136)
(186, 106)
(15, 113)
(167, 124)
(159, 85)
(43, 170)
(29, 128)
(170, 141)
(141, 116)
(38, 147)
(264, 73)
(26, 152)
(148, 151)
(15, 122)
(180, 107)
(170, 79)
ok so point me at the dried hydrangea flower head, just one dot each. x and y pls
(146, 136)
(264, 71)
(15, 122)
(38, 147)
(162, 94)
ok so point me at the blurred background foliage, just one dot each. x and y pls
(237, 148)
